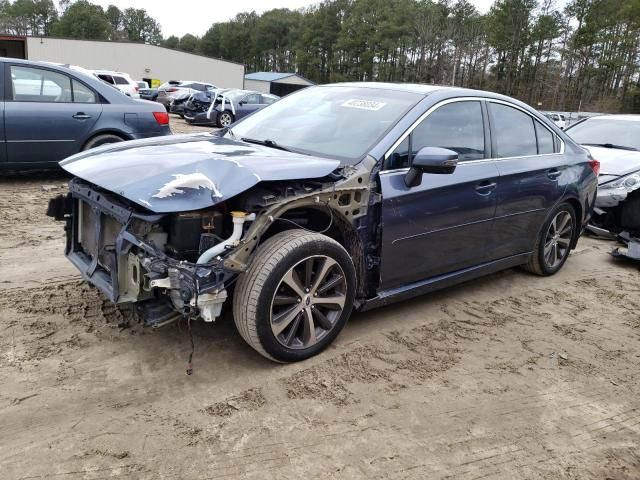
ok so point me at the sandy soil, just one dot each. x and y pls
(508, 377)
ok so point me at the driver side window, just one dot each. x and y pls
(457, 126)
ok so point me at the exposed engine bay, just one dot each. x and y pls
(181, 264)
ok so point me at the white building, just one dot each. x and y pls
(141, 61)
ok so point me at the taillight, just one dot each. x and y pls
(137, 88)
(162, 118)
(595, 166)
(171, 90)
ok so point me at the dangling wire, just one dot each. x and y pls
(189, 363)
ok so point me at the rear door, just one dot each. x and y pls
(44, 120)
(532, 177)
(443, 224)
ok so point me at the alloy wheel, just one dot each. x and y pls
(558, 239)
(225, 119)
(308, 302)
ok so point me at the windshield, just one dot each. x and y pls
(595, 131)
(341, 122)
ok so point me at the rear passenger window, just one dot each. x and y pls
(457, 126)
(121, 81)
(38, 85)
(514, 132)
(545, 139)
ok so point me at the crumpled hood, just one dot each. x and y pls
(614, 162)
(189, 172)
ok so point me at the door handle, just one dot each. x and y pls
(554, 173)
(486, 187)
(81, 116)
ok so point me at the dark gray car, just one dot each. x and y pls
(49, 112)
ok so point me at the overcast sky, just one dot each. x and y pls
(196, 16)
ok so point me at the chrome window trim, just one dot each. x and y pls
(471, 99)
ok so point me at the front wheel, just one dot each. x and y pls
(554, 242)
(225, 119)
(296, 296)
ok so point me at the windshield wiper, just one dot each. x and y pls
(611, 145)
(266, 142)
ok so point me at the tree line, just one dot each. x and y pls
(80, 19)
(583, 56)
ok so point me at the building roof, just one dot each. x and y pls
(270, 76)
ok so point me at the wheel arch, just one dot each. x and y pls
(338, 227)
(579, 210)
(118, 133)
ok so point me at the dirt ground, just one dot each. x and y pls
(507, 377)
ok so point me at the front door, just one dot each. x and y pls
(532, 178)
(248, 105)
(443, 224)
(48, 115)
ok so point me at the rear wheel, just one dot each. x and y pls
(102, 140)
(554, 243)
(225, 119)
(296, 295)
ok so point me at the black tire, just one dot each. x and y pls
(537, 263)
(102, 140)
(256, 290)
(219, 120)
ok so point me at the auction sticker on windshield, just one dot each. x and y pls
(364, 104)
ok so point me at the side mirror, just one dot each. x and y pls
(241, 102)
(431, 160)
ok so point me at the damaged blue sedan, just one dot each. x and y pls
(335, 198)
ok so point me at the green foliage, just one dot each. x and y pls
(27, 17)
(586, 56)
(189, 43)
(171, 42)
(140, 27)
(83, 20)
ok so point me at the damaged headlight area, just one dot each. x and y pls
(170, 264)
(612, 193)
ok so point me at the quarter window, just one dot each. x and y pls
(82, 93)
(514, 132)
(545, 139)
(37, 85)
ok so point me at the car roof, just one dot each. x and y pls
(628, 117)
(428, 89)
(110, 72)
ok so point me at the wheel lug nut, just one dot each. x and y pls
(299, 300)
(306, 290)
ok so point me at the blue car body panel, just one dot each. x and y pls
(189, 172)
